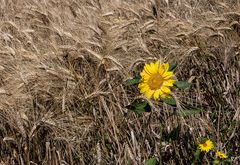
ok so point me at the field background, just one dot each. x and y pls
(62, 68)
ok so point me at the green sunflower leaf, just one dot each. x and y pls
(151, 161)
(172, 67)
(170, 101)
(196, 156)
(139, 107)
(229, 161)
(133, 81)
(182, 84)
(216, 162)
(189, 112)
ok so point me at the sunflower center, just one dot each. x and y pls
(204, 144)
(155, 81)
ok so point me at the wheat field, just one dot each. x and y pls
(62, 68)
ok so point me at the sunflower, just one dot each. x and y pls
(206, 145)
(221, 155)
(156, 80)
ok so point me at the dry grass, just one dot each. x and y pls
(62, 68)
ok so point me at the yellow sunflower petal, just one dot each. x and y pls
(168, 83)
(148, 69)
(145, 68)
(145, 75)
(154, 67)
(156, 94)
(163, 68)
(165, 89)
(167, 75)
(172, 81)
(149, 93)
(143, 87)
(164, 95)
